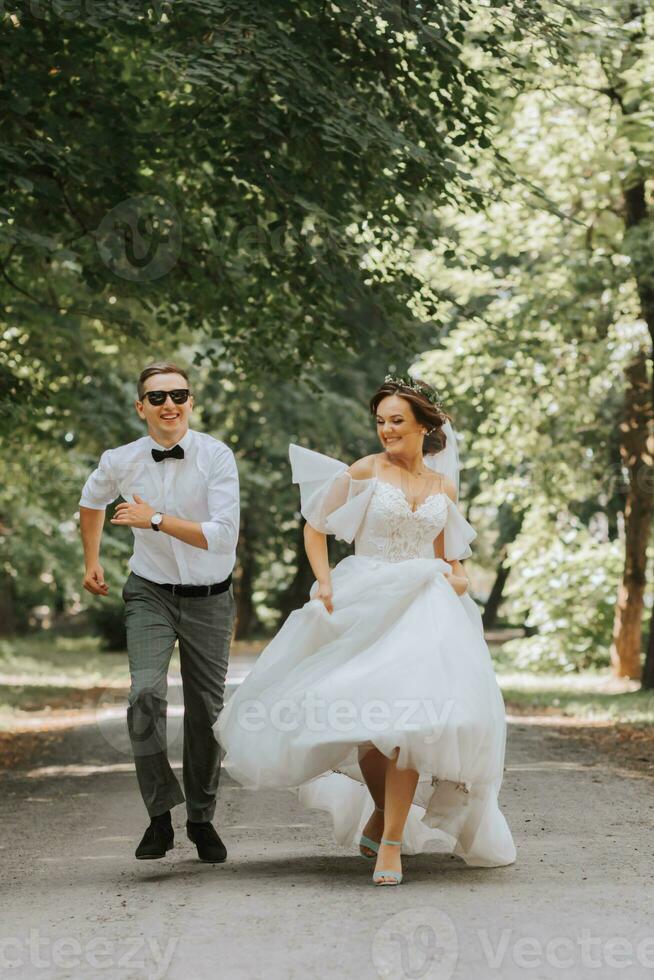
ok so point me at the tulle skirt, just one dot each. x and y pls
(401, 663)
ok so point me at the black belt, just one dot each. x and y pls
(194, 590)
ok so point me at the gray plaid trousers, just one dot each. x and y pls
(155, 619)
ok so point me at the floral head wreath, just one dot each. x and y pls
(420, 389)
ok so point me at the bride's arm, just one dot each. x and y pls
(457, 577)
(315, 544)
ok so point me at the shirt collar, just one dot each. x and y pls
(185, 442)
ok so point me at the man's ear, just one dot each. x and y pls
(138, 405)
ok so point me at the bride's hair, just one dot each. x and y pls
(422, 398)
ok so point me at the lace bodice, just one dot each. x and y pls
(375, 514)
(391, 531)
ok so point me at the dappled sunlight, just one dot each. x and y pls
(549, 764)
(77, 769)
(600, 681)
(551, 720)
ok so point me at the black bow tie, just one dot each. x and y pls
(175, 453)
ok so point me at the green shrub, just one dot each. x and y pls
(107, 620)
(563, 584)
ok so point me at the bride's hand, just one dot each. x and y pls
(458, 582)
(325, 595)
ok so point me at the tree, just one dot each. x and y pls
(254, 176)
(258, 159)
(550, 300)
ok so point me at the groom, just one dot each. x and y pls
(182, 503)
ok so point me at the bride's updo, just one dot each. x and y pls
(425, 405)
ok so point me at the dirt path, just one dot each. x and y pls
(289, 903)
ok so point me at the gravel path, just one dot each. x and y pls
(289, 903)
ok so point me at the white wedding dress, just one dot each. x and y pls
(401, 661)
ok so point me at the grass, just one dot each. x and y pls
(593, 695)
(42, 673)
(59, 661)
(588, 696)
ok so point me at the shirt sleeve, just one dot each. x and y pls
(221, 530)
(101, 488)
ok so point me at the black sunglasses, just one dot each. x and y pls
(178, 395)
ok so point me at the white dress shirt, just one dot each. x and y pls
(202, 487)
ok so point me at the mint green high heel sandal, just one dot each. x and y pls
(372, 845)
(397, 875)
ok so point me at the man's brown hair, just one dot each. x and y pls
(161, 367)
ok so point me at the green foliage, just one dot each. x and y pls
(107, 620)
(549, 292)
(295, 198)
(270, 156)
(564, 586)
(238, 178)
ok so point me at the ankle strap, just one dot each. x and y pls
(396, 842)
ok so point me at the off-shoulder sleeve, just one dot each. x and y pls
(330, 499)
(458, 533)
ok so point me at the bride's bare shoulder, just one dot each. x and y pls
(364, 468)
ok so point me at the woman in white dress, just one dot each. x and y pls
(377, 700)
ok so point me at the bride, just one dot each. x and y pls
(377, 700)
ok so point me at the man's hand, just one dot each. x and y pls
(138, 514)
(94, 580)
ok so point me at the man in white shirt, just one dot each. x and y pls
(181, 494)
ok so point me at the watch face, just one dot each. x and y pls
(157, 518)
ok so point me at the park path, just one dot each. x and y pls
(289, 903)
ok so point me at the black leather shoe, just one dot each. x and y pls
(209, 845)
(157, 839)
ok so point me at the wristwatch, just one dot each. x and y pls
(156, 520)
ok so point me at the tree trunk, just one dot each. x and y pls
(298, 591)
(510, 523)
(247, 621)
(7, 617)
(491, 608)
(636, 216)
(625, 650)
(636, 447)
(647, 681)
(636, 208)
